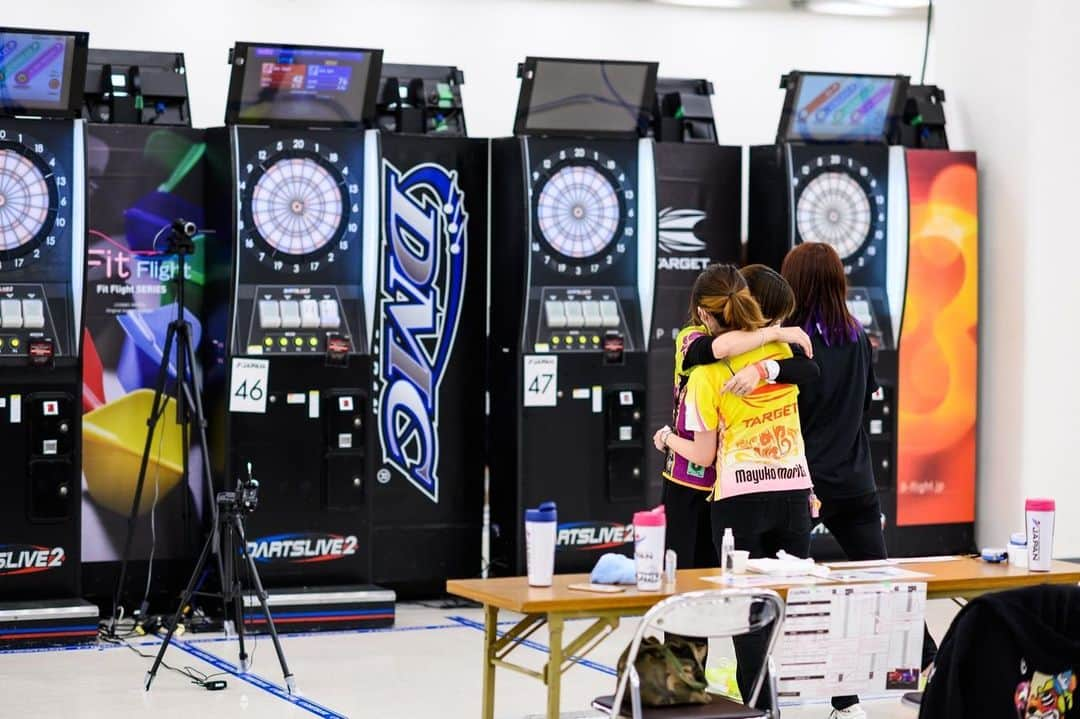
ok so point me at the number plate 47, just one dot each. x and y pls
(541, 380)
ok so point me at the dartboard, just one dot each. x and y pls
(583, 213)
(841, 204)
(300, 206)
(33, 199)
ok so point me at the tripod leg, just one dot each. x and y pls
(185, 598)
(232, 592)
(290, 682)
(156, 407)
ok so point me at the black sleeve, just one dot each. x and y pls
(699, 352)
(798, 370)
(871, 378)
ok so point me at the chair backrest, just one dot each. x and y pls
(715, 613)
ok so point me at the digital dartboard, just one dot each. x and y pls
(300, 206)
(583, 211)
(840, 202)
(34, 199)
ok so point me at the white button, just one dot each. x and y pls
(309, 313)
(554, 314)
(609, 313)
(592, 314)
(344, 441)
(11, 313)
(33, 314)
(50, 408)
(876, 426)
(574, 315)
(48, 446)
(269, 319)
(290, 314)
(626, 433)
(328, 314)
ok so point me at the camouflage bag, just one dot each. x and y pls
(672, 672)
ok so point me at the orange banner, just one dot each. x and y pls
(938, 383)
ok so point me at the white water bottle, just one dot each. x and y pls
(727, 546)
(540, 529)
(1040, 533)
(649, 530)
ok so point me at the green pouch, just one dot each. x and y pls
(672, 672)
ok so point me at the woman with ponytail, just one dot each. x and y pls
(760, 481)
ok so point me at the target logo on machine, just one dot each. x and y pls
(34, 200)
(841, 203)
(300, 206)
(584, 214)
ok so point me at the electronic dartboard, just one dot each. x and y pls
(299, 206)
(35, 199)
(583, 211)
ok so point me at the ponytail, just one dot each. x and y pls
(722, 292)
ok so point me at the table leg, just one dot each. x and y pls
(491, 628)
(553, 672)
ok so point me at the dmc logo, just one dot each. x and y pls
(421, 291)
(302, 548)
(676, 229)
(29, 559)
(591, 536)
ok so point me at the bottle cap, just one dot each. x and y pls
(1039, 505)
(653, 518)
(728, 532)
(1018, 538)
(544, 513)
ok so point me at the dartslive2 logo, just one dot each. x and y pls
(29, 559)
(421, 291)
(302, 547)
(592, 536)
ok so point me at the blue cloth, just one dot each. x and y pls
(613, 569)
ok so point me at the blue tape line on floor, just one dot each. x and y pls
(602, 668)
(256, 681)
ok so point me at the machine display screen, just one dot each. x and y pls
(848, 108)
(585, 97)
(309, 85)
(36, 71)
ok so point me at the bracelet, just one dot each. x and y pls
(667, 433)
(762, 372)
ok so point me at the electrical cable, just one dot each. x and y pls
(197, 677)
(926, 41)
(153, 515)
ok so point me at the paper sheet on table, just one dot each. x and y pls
(744, 581)
(841, 639)
(875, 574)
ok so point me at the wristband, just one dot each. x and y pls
(668, 431)
(762, 372)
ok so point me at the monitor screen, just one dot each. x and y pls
(38, 70)
(302, 85)
(852, 108)
(585, 97)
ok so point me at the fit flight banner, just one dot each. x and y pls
(141, 179)
(936, 424)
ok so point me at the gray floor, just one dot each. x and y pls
(428, 665)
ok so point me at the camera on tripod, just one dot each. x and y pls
(244, 499)
(182, 236)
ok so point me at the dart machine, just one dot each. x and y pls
(573, 256)
(42, 236)
(860, 162)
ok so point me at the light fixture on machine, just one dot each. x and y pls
(299, 208)
(839, 202)
(584, 212)
(34, 199)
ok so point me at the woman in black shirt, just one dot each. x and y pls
(831, 412)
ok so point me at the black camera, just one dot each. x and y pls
(245, 499)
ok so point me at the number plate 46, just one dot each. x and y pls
(248, 386)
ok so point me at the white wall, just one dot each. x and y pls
(1009, 68)
(743, 52)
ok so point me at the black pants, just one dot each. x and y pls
(688, 526)
(856, 525)
(763, 524)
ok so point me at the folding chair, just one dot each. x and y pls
(713, 613)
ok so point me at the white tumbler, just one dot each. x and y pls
(1040, 533)
(649, 529)
(540, 530)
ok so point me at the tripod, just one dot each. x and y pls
(229, 530)
(188, 402)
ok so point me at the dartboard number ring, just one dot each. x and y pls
(300, 206)
(584, 214)
(35, 200)
(842, 204)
